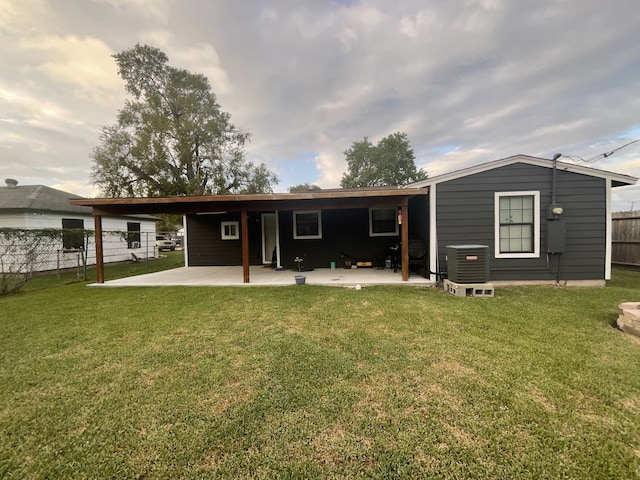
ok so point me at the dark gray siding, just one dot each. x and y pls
(419, 229)
(465, 215)
(347, 231)
(343, 231)
(206, 247)
(419, 218)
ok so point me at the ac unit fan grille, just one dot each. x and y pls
(468, 263)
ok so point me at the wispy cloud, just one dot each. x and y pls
(468, 81)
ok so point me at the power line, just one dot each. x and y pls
(575, 158)
(608, 154)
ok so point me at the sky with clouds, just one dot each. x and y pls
(469, 81)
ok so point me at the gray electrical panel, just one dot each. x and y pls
(556, 236)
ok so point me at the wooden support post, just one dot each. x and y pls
(245, 245)
(97, 219)
(404, 238)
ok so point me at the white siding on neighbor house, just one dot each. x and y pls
(115, 245)
(114, 239)
(13, 220)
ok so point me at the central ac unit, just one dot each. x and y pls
(468, 263)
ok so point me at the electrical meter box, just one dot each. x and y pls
(556, 236)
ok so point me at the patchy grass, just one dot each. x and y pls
(319, 382)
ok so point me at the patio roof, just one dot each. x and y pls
(317, 199)
(396, 197)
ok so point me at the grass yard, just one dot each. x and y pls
(318, 382)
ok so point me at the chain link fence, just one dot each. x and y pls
(24, 252)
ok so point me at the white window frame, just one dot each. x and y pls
(295, 222)
(536, 224)
(224, 235)
(395, 233)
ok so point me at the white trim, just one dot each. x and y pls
(609, 235)
(383, 234)
(278, 263)
(537, 161)
(231, 236)
(433, 235)
(307, 237)
(184, 241)
(536, 223)
(266, 258)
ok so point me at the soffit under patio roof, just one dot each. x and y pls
(322, 199)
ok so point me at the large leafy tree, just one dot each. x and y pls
(304, 187)
(172, 137)
(390, 162)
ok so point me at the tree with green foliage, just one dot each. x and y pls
(172, 137)
(390, 162)
(304, 187)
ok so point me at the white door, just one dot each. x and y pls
(268, 236)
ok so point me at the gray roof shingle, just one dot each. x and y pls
(39, 198)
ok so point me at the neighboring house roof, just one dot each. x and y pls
(617, 179)
(41, 198)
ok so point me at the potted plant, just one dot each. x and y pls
(300, 279)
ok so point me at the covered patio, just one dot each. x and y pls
(341, 199)
(261, 276)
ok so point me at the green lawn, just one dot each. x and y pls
(318, 382)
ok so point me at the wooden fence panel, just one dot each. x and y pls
(626, 238)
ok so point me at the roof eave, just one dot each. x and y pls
(618, 179)
(264, 202)
(395, 192)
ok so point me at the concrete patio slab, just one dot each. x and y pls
(261, 276)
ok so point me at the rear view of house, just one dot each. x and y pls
(540, 220)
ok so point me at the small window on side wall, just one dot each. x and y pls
(383, 222)
(307, 224)
(229, 231)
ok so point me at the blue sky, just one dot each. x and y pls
(469, 81)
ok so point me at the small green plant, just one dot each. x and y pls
(299, 261)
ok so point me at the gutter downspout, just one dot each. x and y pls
(553, 178)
